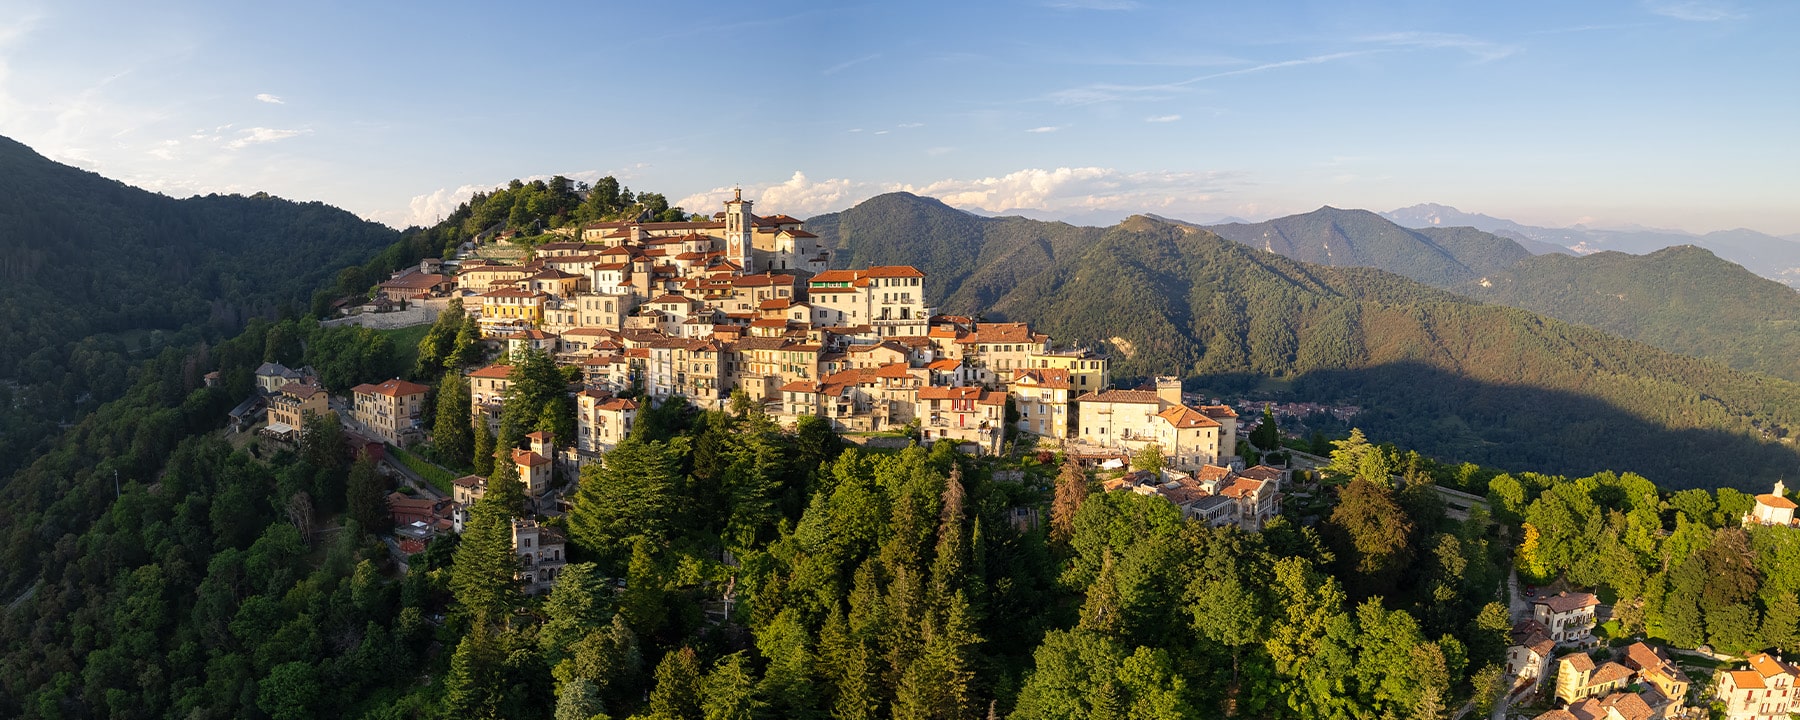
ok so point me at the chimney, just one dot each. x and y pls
(1168, 389)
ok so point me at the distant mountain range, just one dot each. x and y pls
(1776, 258)
(1448, 375)
(1440, 256)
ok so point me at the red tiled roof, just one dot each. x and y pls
(528, 458)
(391, 388)
(1775, 501)
(1567, 601)
(1186, 418)
(1147, 397)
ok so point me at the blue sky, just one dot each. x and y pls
(1669, 113)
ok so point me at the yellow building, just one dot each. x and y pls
(511, 306)
(291, 404)
(1087, 370)
(391, 409)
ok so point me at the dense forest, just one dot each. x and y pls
(96, 276)
(1682, 299)
(1436, 372)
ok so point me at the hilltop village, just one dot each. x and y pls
(742, 311)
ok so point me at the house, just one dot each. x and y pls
(1569, 617)
(414, 285)
(464, 491)
(1578, 678)
(602, 421)
(1213, 494)
(1134, 419)
(536, 468)
(1617, 706)
(1655, 669)
(487, 389)
(390, 409)
(540, 551)
(289, 407)
(430, 515)
(270, 376)
(1762, 691)
(1772, 508)
(1042, 397)
(1528, 657)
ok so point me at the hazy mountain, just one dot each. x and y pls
(1447, 375)
(1359, 238)
(1776, 258)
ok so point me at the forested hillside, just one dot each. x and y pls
(1682, 299)
(1436, 372)
(96, 275)
(1359, 238)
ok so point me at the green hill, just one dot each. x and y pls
(1450, 376)
(1682, 299)
(1329, 236)
(95, 273)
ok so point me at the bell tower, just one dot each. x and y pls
(738, 229)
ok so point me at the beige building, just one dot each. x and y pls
(1042, 397)
(1569, 617)
(1528, 657)
(602, 421)
(1656, 669)
(1763, 691)
(541, 558)
(290, 405)
(1133, 419)
(487, 390)
(536, 465)
(1087, 370)
(890, 298)
(1577, 677)
(390, 409)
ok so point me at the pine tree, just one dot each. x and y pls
(730, 691)
(484, 447)
(452, 435)
(578, 699)
(503, 484)
(1071, 490)
(629, 494)
(484, 571)
(472, 689)
(366, 497)
(678, 687)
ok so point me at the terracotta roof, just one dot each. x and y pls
(1003, 333)
(1747, 679)
(1186, 418)
(1212, 472)
(1609, 671)
(893, 370)
(391, 388)
(301, 390)
(1043, 377)
(893, 271)
(528, 458)
(800, 386)
(1629, 706)
(1557, 714)
(1775, 501)
(513, 293)
(1567, 601)
(414, 281)
(1240, 487)
(1218, 411)
(1263, 472)
(1768, 666)
(1147, 397)
(1643, 657)
(470, 481)
(1578, 661)
(945, 365)
(939, 392)
(619, 404)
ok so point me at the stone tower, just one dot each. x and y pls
(738, 229)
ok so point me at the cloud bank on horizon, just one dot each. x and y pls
(1065, 108)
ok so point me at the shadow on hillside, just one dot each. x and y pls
(1530, 429)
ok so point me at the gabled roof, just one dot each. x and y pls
(1609, 671)
(1767, 666)
(1144, 397)
(1775, 501)
(1183, 417)
(391, 388)
(1567, 601)
(528, 458)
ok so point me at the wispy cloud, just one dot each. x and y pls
(261, 136)
(1045, 129)
(847, 64)
(1482, 50)
(270, 99)
(1106, 92)
(1694, 10)
(881, 132)
(1093, 4)
(1162, 118)
(908, 126)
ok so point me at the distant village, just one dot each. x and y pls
(651, 312)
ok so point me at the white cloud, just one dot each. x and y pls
(270, 99)
(262, 135)
(1071, 191)
(910, 125)
(1162, 118)
(1694, 10)
(881, 132)
(1045, 129)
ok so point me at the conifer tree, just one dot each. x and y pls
(484, 447)
(452, 434)
(1071, 490)
(484, 570)
(678, 689)
(729, 692)
(367, 497)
